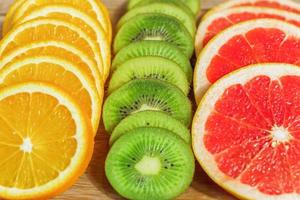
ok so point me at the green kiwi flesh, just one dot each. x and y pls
(146, 94)
(149, 67)
(155, 119)
(154, 48)
(163, 8)
(150, 164)
(193, 6)
(155, 26)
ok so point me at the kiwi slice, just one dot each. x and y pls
(149, 67)
(154, 26)
(192, 5)
(150, 163)
(153, 119)
(154, 48)
(146, 94)
(186, 18)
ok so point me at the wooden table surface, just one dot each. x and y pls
(93, 184)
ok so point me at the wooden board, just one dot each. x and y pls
(93, 184)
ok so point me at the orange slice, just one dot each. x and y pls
(80, 19)
(94, 8)
(61, 50)
(9, 15)
(46, 141)
(63, 74)
(51, 29)
(246, 132)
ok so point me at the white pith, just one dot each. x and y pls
(26, 146)
(205, 158)
(201, 83)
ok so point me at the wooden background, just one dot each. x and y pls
(93, 184)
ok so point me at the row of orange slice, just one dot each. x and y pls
(247, 85)
(54, 61)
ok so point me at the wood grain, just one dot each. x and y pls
(93, 184)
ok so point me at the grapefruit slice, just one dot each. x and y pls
(39, 30)
(46, 141)
(287, 5)
(61, 50)
(250, 42)
(215, 22)
(68, 13)
(61, 73)
(246, 132)
(94, 8)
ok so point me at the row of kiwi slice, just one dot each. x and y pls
(147, 111)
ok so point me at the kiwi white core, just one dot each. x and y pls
(280, 135)
(26, 147)
(154, 38)
(146, 107)
(148, 166)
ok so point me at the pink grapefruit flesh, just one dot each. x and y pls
(246, 132)
(215, 22)
(251, 42)
(287, 5)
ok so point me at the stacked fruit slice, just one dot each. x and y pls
(246, 128)
(147, 111)
(54, 60)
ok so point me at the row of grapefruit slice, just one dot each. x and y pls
(247, 83)
(54, 60)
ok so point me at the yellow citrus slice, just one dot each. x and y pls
(63, 74)
(51, 29)
(9, 15)
(61, 50)
(246, 132)
(80, 19)
(46, 141)
(94, 8)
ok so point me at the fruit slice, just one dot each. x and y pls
(154, 119)
(154, 27)
(192, 5)
(46, 141)
(94, 8)
(10, 14)
(254, 41)
(61, 50)
(186, 18)
(78, 18)
(40, 30)
(149, 67)
(215, 22)
(246, 132)
(61, 73)
(287, 5)
(150, 163)
(146, 94)
(154, 48)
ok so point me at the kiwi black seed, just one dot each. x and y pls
(150, 164)
(146, 94)
(154, 119)
(186, 18)
(193, 6)
(149, 67)
(154, 48)
(155, 26)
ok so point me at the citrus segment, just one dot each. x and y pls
(215, 22)
(68, 13)
(42, 118)
(94, 8)
(61, 50)
(254, 41)
(287, 5)
(245, 132)
(61, 73)
(39, 30)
